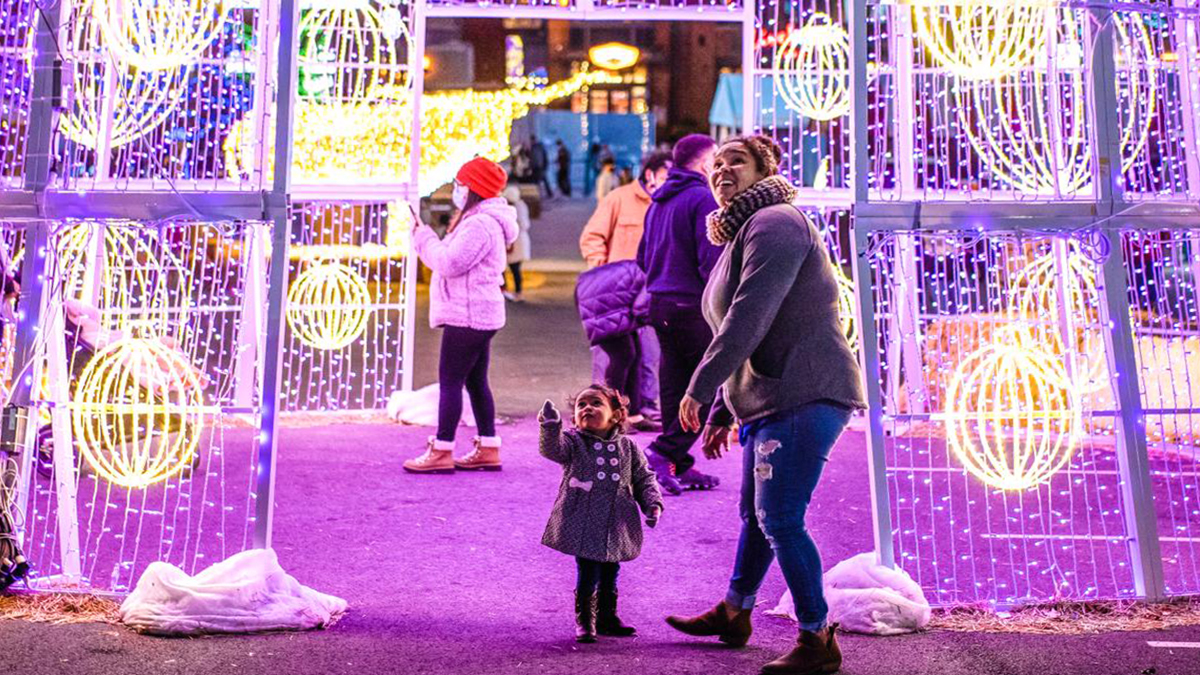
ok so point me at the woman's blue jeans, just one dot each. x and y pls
(783, 457)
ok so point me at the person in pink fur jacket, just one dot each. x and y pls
(465, 300)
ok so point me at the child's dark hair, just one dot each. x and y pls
(616, 400)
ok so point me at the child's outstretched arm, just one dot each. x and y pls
(645, 486)
(551, 443)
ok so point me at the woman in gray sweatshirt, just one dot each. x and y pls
(781, 365)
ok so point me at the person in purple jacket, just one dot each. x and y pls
(466, 302)
(677, 258)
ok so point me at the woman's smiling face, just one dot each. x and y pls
(734, 170)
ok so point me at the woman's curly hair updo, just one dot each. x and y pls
(766, 152)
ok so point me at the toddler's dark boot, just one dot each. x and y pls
(585, 617)
(607, 621)
(730, 625)
(815, 654)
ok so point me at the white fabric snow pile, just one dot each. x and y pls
(420, 407)
(865, 597)
(247, 593)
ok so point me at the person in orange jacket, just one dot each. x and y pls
(611, 235)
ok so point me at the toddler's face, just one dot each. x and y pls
(593, 412)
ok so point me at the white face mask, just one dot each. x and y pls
(459, 196)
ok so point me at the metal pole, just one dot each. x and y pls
(869, 358)
(749, 67)
(416, 67)
(1189, 96)
(277, 212)
(1136, 485)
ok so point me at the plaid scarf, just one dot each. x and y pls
(724, 223)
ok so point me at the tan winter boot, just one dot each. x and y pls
(485, 456)
(815, 653)
(438, 458)
(729, 624)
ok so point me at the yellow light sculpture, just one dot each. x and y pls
(141, 284)
(1032, 129)
(1012, 418)
(345, 53)
(358, 143)
(812, 69)
(142, 99)
(614, 55)
(1049, 301)
(327, 306)
(137, 413)
(847, 306)
(983, 39)
(159, 34)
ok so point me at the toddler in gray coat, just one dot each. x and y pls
(605, 480)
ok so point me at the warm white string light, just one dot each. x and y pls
(159, 34)
(982, 39)
(327, 306)
(812, 69)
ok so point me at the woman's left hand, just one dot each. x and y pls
(689, 414)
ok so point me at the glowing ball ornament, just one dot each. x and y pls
(141, 99)
(1012, 416)
(847, 306)
(159, 34)
(346, 52)
(327, 306)
(137, 412)
(1057, 312)
(1032, 129)
(614, 55)
(812, 69)
(982, 39)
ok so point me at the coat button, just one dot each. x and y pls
(600, 461)
(616, 476)
(601, 475)
(598, 446)
(611, 460)
(611, 448)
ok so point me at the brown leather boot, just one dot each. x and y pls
(585, 617)
(607, 621)
(485, 456)
(730, 625)
(438, 458)
(815, 653)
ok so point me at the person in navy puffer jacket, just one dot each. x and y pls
(677, 258)
(466, 302)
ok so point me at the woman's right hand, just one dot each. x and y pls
(715, 441)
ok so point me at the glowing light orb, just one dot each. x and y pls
(327, 306)
(1056, 313)
(983, 39)
(137, 412)
(346, 52)
(142, 99)
(159, 34)
(142, 282)
(1032, 129)
(812, 69)
(1012, 417)
(614, 55)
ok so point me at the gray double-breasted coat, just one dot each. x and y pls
(605, 481)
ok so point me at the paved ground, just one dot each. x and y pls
(444, 574)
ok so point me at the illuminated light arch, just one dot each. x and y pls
(346, 53)
(983, 39)
(1010, 123)
(137, 412)
(1012, 418)
(144, 98)
(158, 34)
(327, 306)
(812, 69)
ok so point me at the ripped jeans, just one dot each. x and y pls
(783, 457)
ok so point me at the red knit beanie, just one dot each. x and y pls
(484, 177)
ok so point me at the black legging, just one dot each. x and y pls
(515, 268)
(464, 361)
(593, 573)
(624, 368)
